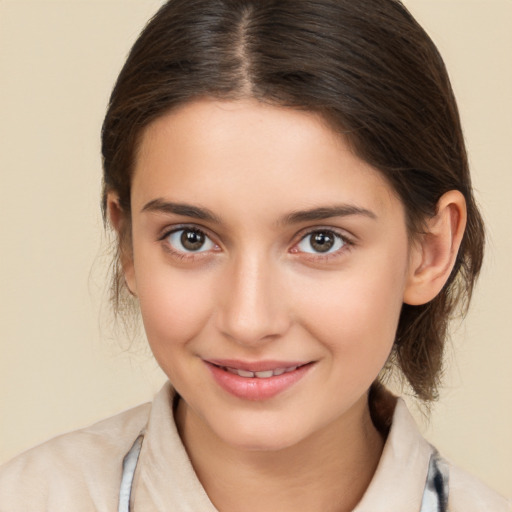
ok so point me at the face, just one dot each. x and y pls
(270, 264)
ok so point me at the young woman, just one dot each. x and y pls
(290, 189)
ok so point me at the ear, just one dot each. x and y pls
(433, 255)
(120, 221)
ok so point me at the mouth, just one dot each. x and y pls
(259, 380)
(262, 374)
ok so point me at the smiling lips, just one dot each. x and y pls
(256, 381)
(260, 375)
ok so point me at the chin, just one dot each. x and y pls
(257, 443)
(259, 436)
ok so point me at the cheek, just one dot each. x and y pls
(355, 313)
(175, 305)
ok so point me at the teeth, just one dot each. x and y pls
(260, 375)
(264, 375)
(245, 373)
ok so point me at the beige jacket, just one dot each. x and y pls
(81, 471)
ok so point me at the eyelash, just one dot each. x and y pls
(312, 256)
(347, 242)
(184, 255)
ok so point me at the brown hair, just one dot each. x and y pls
(366, 66)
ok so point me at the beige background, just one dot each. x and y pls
(60, 365)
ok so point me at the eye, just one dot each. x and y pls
(190, 240)
(321, 242)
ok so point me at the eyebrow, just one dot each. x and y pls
(322, 213)
(196, 212)
(184, 209)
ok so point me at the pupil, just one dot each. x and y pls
(192, 240)
(322, 242)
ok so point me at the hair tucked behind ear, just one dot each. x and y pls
(365, 65)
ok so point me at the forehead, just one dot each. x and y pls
(254, 156)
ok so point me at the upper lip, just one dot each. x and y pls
(255, 366)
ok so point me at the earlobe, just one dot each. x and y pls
(122, 226)
(434, 253)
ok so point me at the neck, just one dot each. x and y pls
(328, 471)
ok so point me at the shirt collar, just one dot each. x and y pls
(165, 479)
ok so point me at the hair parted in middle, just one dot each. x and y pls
(367, 67)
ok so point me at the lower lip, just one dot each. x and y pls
(254, 388)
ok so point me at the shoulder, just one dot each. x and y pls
(404, 471)
(469, 494)
(466, 493)
(63, 473)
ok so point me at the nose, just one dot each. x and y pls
(252, 308)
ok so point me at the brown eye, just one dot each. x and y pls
(189, 240)
(192, 240)
(322, 241)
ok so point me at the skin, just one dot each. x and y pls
(257, 290)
